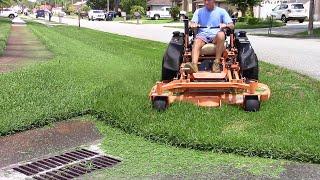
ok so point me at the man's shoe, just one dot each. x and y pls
(193, 68)
(216, 68)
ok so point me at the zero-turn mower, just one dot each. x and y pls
(237, 83)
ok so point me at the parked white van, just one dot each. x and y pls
(8, 12)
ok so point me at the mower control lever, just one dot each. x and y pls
(209, 27)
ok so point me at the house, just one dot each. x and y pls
(267, 5)
(156, 5)
(79, 4)
(185, 5)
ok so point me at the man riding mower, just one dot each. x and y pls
(207, 70)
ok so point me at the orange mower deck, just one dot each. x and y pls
(209, 94)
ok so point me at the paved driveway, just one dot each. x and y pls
(301, 55)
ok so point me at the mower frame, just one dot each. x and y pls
(210, 89)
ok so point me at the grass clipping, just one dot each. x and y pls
(111, 75)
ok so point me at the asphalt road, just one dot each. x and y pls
(301, 55)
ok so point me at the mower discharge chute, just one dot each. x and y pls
(237, 83)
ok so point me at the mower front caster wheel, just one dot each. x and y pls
(160, 104)
(252, 105)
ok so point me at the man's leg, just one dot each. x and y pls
(219, 41)
(198, 44)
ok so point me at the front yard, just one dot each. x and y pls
(109, 77)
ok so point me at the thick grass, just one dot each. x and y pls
(5, 26)
(111, 76)
(142, 159)
(316, 33)
(160, 21)
(150, 21)
(245, 25)
(261, 24)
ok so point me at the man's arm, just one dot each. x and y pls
(195, 20)
(226, 20)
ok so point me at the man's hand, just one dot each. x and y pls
(224, 26)
(193, 25)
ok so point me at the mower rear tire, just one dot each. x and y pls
(160, 104)
(252, 105)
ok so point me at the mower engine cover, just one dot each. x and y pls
(246, 55)
(173, 56)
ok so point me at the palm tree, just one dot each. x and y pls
(311, 14)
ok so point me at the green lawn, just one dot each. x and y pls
(315, 31)
(244, 25)
(143, 159)
(109, 77)
(5, 26)
(160, 21)
(150, 21)
(263, 24)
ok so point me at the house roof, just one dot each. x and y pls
(80, 3)
(201, 1)
(159, 2)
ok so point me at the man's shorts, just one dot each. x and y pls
(207, 38)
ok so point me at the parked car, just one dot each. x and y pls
(83, 14)
(164, 12)
(290, 11)
(8, 12)
(40, 13)
(109, 16)
(113, 14)
(96, 15)
(26, 11)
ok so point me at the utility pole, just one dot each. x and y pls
(311, 15)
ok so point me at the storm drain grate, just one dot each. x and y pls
(67, 166)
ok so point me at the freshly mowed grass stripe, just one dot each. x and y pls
(5, 26)
(142, 158)
(111, 75)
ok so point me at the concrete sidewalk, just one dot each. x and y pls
(22, 47)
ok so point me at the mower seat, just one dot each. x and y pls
(208, 50)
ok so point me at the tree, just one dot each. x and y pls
(174, 12)
(243, 5)
(127, 4)
(4, 3)
(138, 9)
(100, 4)
(311, 15)
(253, 3)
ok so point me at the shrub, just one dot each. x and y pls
(85, 8)
(189, 15)
(253, 20)
(241, 19)
(70, 9)
(139, 9)
(128, 4)
(174, 12)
